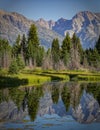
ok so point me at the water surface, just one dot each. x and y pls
(55, 105)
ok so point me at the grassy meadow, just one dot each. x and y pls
(28, 77)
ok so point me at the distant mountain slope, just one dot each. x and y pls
(12, 24)
(85, 24)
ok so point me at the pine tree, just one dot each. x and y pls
(89, 55)
(66, 97)
(20, 63)
(16, 65)
(55, 94)
(98, 45)
(55, 52)
(40, 56)
(5, 53)
(93, 58)
(13, 68)
(65, 49)
(76, 52)
(23, 48)
(84, 60)
(33, 45)
(16, 47)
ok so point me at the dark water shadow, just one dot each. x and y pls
(12, 81)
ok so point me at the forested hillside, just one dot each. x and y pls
(27, 51)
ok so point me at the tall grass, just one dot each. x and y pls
(88, 78)
(34, 79)
(38, 76)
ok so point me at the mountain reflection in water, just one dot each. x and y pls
(81, 101)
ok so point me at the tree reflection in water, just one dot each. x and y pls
(55, 93)
(33, 97)
(66, 97)
(80, 100)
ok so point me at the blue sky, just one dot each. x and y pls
(49, 9)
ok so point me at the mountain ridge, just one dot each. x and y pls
(85, 24)
(12, 24)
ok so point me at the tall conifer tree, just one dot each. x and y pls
(33, 45)
(55, 51)
(65, 49)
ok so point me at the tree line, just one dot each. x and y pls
(28, 52)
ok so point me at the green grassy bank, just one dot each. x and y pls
(29, 77)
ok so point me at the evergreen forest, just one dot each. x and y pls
(27, 51)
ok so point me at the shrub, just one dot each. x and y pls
(13, 68)
(20, 63)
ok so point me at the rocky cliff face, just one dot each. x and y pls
(87, 27)
(12, 24)
(46, 24)
(85, 24)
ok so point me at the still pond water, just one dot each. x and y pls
(56, 105)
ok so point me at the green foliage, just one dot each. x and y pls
(65, 49)
(13, 68)
(16, 47)
(3, 72)
(33, 97)
(84, 60)
(88, 78)
(29, 52)
(74, 41)
(5, 53)
(66, 97)
(55, 54)
(33, 43)
(94, 88)
(55, 51)
(23, 47)
(20, 48)
(66, 45)
(93, 58)
(17, 96)
(55, 94)
(32, 36)
(20, 63)
(40, 56)
(16, 65)
(98, 45)
(35, 79)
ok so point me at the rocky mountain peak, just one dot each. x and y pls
(51, 24)
(46, 24)
(13, 24)
(86, 15)
(85, 24)
(43, 23)
(62, 19)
